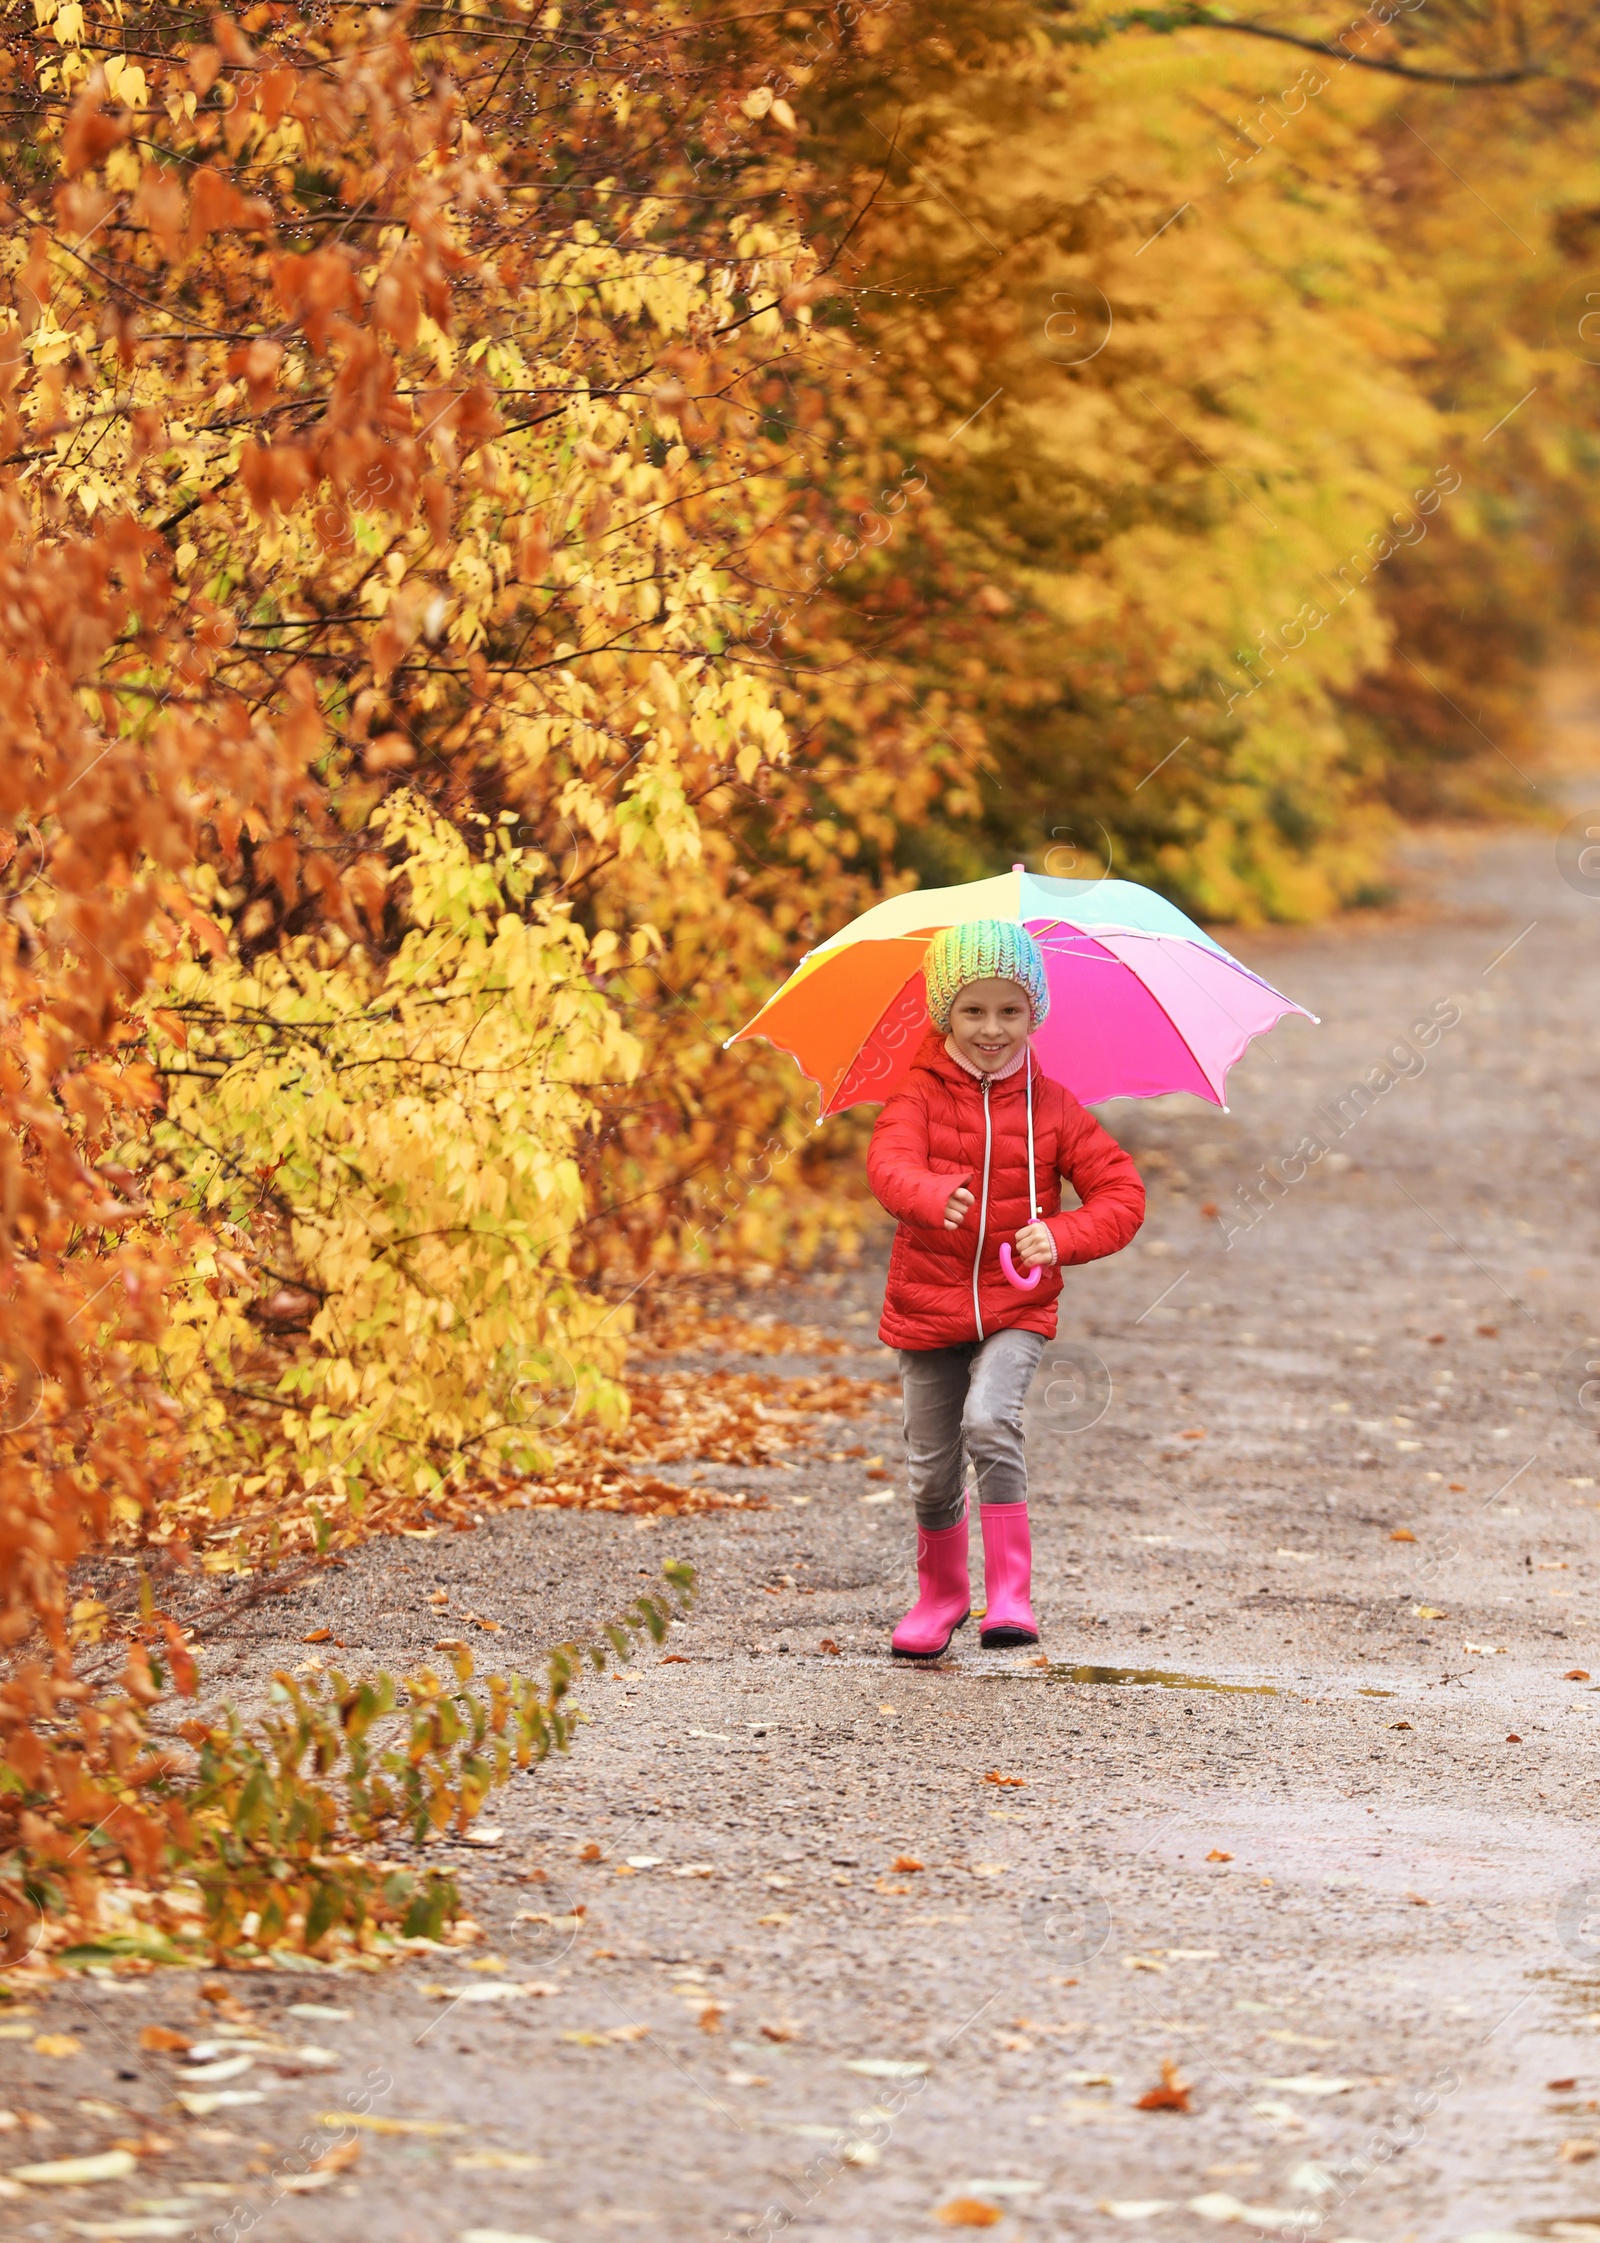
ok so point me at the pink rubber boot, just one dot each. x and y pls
(945, 1602)
(1008, 1576)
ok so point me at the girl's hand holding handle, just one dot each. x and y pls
(956, 1208)
(1035, 1248)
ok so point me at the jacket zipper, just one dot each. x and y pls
(983, 1212)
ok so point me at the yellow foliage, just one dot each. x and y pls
(388, 1146)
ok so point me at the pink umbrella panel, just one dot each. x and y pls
(1110, 1030)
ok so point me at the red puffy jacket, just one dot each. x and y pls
(943, 1128)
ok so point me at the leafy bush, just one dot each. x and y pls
(268, 1823)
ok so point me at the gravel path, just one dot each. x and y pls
(1299, 1807)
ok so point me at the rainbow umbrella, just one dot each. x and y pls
(1142, 1001)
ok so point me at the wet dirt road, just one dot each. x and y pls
(1300, 1811)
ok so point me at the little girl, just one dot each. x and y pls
(950, 1158)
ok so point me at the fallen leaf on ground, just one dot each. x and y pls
(497, 2235)
(1136, 2208)
(1512, 1738)
(57, 2044)
(213, 2075)
(162, 2040)
(371, 2123)
(1428, 1612)
(1399, 1724)
(1217, 1854)
(994, 1776)
(1578, 2153)
(1402, 1534)
(884, 1885)
(989, 1868)
(1171, 2095)
(710, 2018)
(225, 2001)
(1193, 1433)
(1559, 2086)
(885, 2067)
(491, 1990)
(338, 2159)
(827, 1644)
(1419, 1900)
(115, 2230)
(1080, 2110)
(1140, 1962)
(1220, 2207)
(1281, 2114)
(206, 2105)
(780, 2030)
(591, 1852)
(1576, 1674)
(77, 2172)
(968, 2211)
(496, 2161)
(905, 1865)
(317, 1635)
(1483, 1650)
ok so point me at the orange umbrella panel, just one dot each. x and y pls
(817, 1016)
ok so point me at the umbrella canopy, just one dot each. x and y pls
(1142, 1001)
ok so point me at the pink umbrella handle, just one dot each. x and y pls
(1012, 1277)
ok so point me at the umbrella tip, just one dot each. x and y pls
(1019, 868)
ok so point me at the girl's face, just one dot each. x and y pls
(989, 1023)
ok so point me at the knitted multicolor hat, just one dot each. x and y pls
(983, 950)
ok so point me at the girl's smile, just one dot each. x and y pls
(989, 1023)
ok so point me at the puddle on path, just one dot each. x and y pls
(1157, 1677)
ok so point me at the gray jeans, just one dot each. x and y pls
(968, 1397)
